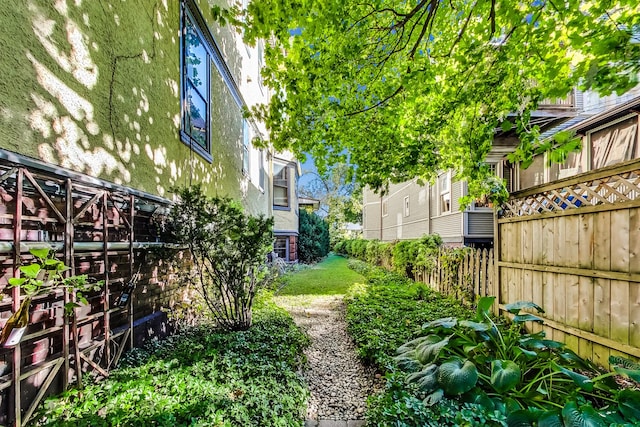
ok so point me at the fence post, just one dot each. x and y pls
(496, 264)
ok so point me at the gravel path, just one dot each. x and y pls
(338, 382)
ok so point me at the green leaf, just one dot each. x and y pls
(484, 305)
(506, 126)
(514, 308)
(457, 377)
(428, 379)
(445, 323)
(550, 419)
(629, 404)
(521, 318)
(476, 326)
(521, 418)
(434, 397)
(408, 363)
(31, 271)
(634, 374)
(528, 353)
(428, 351)
(16, 281)
(41, 253)
(582, 381)
(584, 416)
(505, 375)
(410, 346)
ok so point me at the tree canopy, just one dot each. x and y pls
(406, 88)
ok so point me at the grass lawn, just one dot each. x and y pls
(329, 277)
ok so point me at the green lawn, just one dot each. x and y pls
(329, 277)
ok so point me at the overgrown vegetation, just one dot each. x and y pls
(405, 257)
(198, 378)
(390, 310)
(313, 239)
(229, 250)
(531, 380)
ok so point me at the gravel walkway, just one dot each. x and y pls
(338, 382)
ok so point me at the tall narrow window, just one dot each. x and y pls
(406, 206)
(246, 147)
(385, 207)
(281, 247)
(445, 193)
(261, 171)
(280, 185)
(195, 88)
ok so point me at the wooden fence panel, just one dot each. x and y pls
(573, 247)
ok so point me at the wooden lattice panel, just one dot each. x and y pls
(617, 188)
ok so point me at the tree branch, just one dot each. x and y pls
(377, 104)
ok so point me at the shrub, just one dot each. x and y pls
(313, 240)
(228, 249)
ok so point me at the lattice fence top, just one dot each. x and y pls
(617, 188)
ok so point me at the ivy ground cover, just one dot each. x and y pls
(199, 377)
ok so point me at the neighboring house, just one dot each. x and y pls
(286, 172)
(309, 204)
(410, 209)
(609, 128)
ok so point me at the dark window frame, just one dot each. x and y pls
(190, 16)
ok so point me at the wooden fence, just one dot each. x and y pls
(101, 230)
(463, 273)
(573, 247)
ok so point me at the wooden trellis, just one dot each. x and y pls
(97, 231)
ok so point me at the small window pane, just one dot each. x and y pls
(196, 117)
(280, 247)
(195, 59)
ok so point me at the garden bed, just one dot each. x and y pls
(199, 377)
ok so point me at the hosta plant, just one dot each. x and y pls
(535, 380)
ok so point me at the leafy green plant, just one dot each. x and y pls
(501, 365)
(199, 377)
(229, 252)
(43, 276)
(391, 310)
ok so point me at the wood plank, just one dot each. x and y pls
(634, 240)
(619, 328)
(527, 241)
(602, 241)
(536, 288)
(619, 238)
(585, 306)
(571, 248)
(634, 314)
(547, 237)
(572, 304)
(586, 241)
(559, 252)
(601, 355)
(602, 307)
(560, 298)
(537, 239)
(547, 294)
(585, 348)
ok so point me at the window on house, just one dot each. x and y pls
(406, 206)
(261, 171)
(195, 88)
(281, 246)
(614, 144)
(385, 207)
(246, 147)
(280, 185)
(444, 183)
(260, 63)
